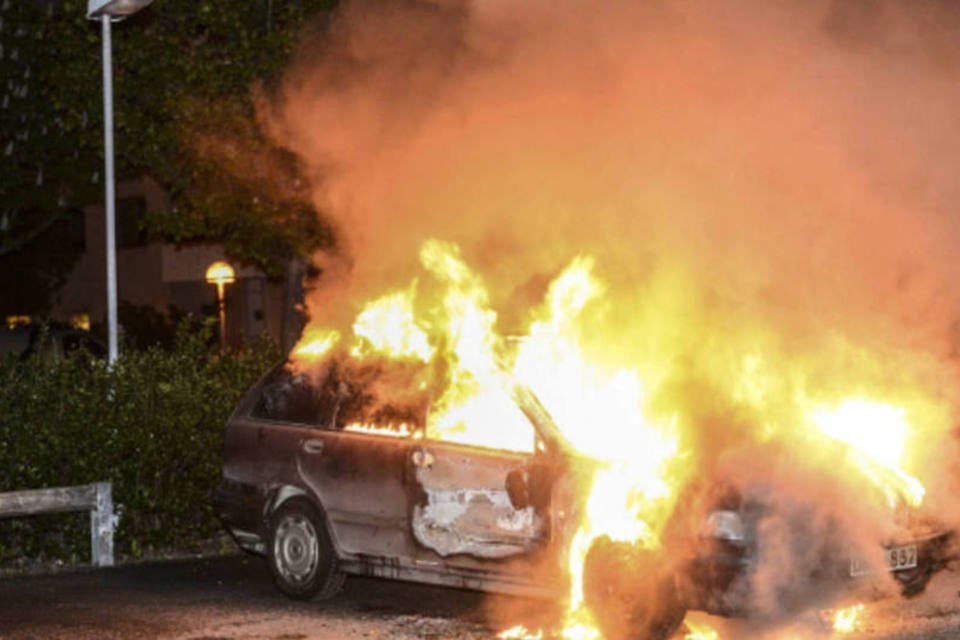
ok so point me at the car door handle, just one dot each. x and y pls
(313, 445)
(421, 458)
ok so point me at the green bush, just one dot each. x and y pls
(151, 425)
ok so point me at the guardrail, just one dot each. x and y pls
(96, 497)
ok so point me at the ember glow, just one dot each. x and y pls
(402, 430)
(847, 620)
(697, 631)
(520, 632)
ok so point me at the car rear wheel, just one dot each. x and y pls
(630, 593)
(302, 558)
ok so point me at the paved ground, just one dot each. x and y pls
(227, 598)
(233, 599)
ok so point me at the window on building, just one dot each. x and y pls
(80, 321)
(18, 321)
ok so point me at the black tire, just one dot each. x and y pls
(630, 592)
(914, 581)
(300, 553)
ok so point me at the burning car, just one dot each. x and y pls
(425, 445)
(713, 567)
(323, 494)
(322, 497)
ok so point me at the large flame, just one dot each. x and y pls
(387, 326)
(603, 410)
(877, 435)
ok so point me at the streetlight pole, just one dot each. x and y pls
(222, 308)
(107, 11)
(221, 274)
(110, 200)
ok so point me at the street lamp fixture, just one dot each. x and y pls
(221, 273)
(116, 9)
(107, 11)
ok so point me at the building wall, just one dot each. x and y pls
(161, 276)
(138, 269)
(254, 304)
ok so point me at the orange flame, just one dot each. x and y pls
(520, 632)
(387, 326)
(602, 411)
(315, 344)
(848, 619)
(700, 631)
(402, 430)
(877, 434)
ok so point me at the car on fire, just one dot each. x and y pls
(322, 498)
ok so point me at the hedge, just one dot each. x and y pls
(151, 425)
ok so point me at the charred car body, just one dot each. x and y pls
(321, 499)
(296, 484)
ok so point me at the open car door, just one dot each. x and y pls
(480, 502)
(463, 504)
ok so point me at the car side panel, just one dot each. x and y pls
(359, 480)
(256, 462)
(369, 489)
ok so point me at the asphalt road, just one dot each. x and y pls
(233, 598)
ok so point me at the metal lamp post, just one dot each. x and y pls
(221, 273)
(107, 11)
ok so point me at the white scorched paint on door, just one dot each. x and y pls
(478, 522)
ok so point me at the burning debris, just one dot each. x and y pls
(847, 620)
(712, 265)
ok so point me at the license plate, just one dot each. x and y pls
(904, 557)
(896, 559)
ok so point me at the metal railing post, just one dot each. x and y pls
(97, 498)
(102, 524)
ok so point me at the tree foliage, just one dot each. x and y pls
(184, 78)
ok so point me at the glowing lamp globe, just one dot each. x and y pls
(220, 272)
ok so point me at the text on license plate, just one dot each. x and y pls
(896, 558)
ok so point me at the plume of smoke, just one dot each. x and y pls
(768, 186)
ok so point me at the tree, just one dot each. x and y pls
(48, 146)
(184, 73)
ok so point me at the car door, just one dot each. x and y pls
(358, 478)
(473, 505)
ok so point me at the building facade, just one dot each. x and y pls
(169, 279)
